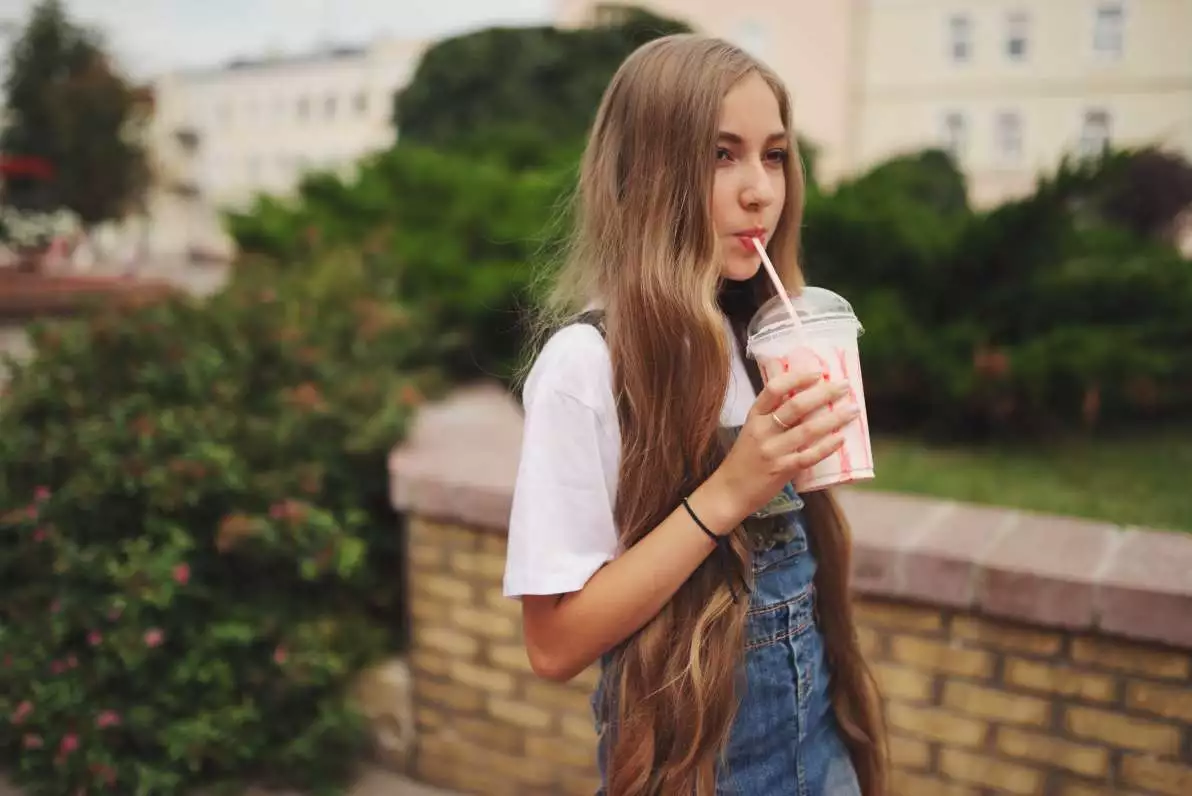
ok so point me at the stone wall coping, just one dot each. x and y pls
(460, 461)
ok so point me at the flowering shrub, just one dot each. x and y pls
(195, 544)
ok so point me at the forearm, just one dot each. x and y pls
(565, 636)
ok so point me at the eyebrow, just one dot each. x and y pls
(733, 138)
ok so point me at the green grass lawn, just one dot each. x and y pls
(1141, 479)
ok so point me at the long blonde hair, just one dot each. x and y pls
(645, 248)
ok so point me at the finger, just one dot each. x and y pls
(810, 400)
(811, 431)
(809, 457)
(779, 389)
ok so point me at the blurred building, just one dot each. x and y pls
(1009, 86)
(224, 135)
(259, 125)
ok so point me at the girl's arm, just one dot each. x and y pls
(566, 634)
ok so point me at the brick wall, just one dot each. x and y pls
(1018, 654)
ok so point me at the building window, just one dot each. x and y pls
(960, 38)
(1095, 133)
(304, 108)
(1008, 137)
(1109, 30)
(330, 105)
(362, 103)
(1017, 35)
(955, 135)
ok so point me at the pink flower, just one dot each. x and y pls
(154, 637)
(70, 743)
(280, 655)
(41, 494)
(40, 535)
(94, 638)
(8, 661)
(109, 718)
(57, 667)
(72, 662)
(55, 606)
(22, 712)
(182, 574)
(114, 613)
(31, 741)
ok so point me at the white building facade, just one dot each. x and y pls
(258, 126)
(1009, 86)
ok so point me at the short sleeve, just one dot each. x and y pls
(561, 529)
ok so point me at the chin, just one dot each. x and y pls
(740, 268)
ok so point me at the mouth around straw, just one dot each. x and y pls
(778, 286)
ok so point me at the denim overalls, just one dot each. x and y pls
(785, 739)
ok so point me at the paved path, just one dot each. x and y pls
(374, 782)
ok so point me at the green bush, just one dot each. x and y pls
(196, 544)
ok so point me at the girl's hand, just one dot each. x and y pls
(788, 430)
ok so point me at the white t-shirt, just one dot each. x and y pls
(561, 528)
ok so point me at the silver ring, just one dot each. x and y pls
(778, 420)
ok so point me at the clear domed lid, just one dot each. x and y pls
(814, 305)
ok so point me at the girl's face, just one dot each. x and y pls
(749, 188)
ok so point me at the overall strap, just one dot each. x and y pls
(594, 318)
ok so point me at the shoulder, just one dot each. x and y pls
(574, 364)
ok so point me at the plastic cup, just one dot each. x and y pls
(824, 341)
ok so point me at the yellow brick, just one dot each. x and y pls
(442, 639)
(1004, 636)
(1134, 658)
(490, 566)
(487, 624)
(1172, 702)
(489, 734)
(494, 543)
(498, 766)
(903, 783)
(445, 588)
(563, 751)
(900, 682)
(898, 616)
(938, 656)
(1091, 761)
(444, 535)
(1000, 775)
(428, 662)
(580, 785)
(429, 718)
(519, 713)
(990, 703)
(1074, 788)
(1062, 680)
(936, 725)
(510, 656)
(426, 556)
(425, 609)
(495, 599)
(870, 642)
(1171, 779)
(588, 679)
(449, 695)
(553, 696)
(483, 678)
(1126, 732)
(580, 729)
(909, 752)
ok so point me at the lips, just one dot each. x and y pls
(747, 236)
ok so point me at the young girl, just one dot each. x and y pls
(650, 444)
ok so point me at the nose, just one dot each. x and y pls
(757, 191)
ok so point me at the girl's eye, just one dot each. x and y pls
(777, 155)
(723, 154)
